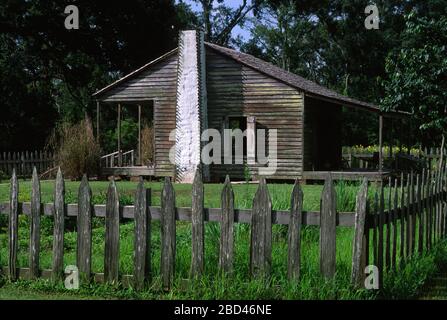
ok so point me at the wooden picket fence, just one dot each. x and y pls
(24, 162)
(422, 203)
(407, 219)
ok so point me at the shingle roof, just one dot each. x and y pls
(291, 79)
(310, 88)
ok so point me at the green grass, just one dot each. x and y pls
(244, 193)
(211, 286)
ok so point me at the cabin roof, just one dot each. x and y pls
(310, 88)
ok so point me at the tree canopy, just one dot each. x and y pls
(48, 73)
(417, 75)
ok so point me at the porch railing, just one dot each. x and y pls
(118, 159)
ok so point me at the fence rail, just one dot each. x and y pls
(402, 220)
(24, 162)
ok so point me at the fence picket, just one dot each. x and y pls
(168, 231)
(142, 239)
(439, 205)
(431, 209)
(84, 231)
(388, 221)
(408, 214)
(294, 233)
(197, 227)
(58, 232)
(358, 251)
(34, 246)
(395, 221)
(261, 232)
(375, 216)
(13, 226)
(414, 213)
(428, 209)
(112, 223)
(226, 248)
(402, 220)
(381, 244)
(328, 221)
(444, 199)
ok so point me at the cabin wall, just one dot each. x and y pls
(322, 135)
(157, 83)
(236, 90)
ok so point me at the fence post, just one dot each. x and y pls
(168, 230)
(294, 233)
(388, 221)
(34, 246)
(420, 214)
(415, 208)
(444, 185)
(226, 248)
(84, 230)
(328, 222)
(13, 226)
(376, 226)
(142, 244)
(438, 204)
(112, 236)
(408, 214)
(58, 235)
(197, 227)
(380, 252)
(22, 163)
(359, 247)
(430, 211)
(395, 220)
(261, 232)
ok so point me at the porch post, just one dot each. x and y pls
(380, 143)
(119, 135)
(139, 135)
(251, 140)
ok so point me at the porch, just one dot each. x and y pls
(134, 162)
(124, 164)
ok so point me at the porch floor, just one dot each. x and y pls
(134, 171)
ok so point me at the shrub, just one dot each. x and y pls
(147, 145)
(76, 149)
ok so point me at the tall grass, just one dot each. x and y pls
(76, 149)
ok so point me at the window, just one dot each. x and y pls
(238, 123)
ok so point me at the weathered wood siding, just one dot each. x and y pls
(157, 83)
(240, 91)
(322, 135)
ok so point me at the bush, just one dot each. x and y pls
(147, 145)
(76, 149)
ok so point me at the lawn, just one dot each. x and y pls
(311, 285)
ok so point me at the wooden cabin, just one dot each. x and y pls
(200, 86)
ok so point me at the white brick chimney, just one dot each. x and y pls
(191, 109)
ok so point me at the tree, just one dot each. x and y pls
(417, 76)
(326, 41)
(64, 67)
(218, 20)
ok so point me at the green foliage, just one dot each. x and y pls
(48, 73)
(76, 149)
(417, 74)
(129, 136)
